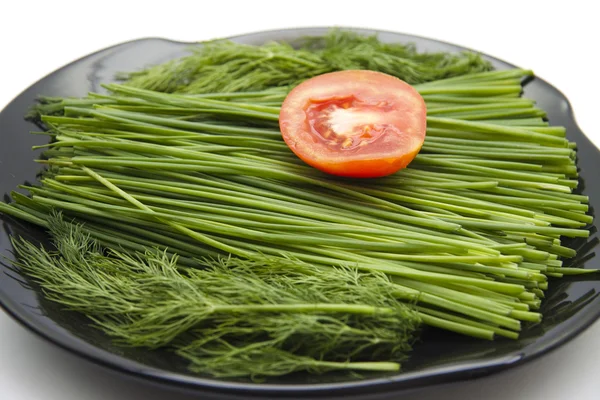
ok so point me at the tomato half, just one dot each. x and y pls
(360, 124)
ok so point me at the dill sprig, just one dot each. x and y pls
(229, 317)
(344, 50)
(225, 66)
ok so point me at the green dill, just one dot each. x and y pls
(225, 66)
(229, 317)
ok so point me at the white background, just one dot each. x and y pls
(558, 40)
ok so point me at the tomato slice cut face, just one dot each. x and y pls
(360, 124)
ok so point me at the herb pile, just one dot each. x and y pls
(230, 318)
(222, 66)
(195, 227)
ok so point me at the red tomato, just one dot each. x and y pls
(360, 124)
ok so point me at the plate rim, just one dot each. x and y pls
(399, 382)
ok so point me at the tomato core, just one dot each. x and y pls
(346, 123)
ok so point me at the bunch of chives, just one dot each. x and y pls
(471, 230)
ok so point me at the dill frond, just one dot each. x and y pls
(225, 66)
(229, 317)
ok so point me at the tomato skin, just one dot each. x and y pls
(354, 123)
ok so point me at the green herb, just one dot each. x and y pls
(455, 229)
(225, 66)
(228, 317)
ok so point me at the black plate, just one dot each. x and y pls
(570, 308)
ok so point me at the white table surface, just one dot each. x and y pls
(558, 40)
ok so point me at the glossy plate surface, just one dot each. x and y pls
(570, 307)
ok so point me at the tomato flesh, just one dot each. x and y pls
(354, 123)
(347, 123)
